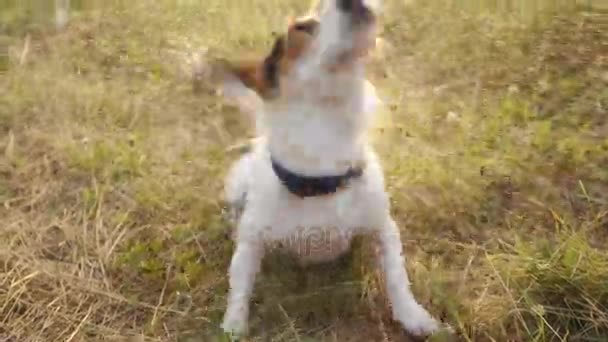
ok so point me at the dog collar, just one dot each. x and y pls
(307, 186)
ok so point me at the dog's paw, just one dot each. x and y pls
(420, 323)
(234, 328)
(445, 334)
(229, 337)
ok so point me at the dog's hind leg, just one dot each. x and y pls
(414, 318)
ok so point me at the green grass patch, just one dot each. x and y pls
(495, 154)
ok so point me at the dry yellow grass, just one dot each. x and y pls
(494, 141)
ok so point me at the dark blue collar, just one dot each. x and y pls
(307, 186)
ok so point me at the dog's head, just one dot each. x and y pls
(325, 43)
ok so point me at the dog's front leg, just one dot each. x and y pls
(244, 266)
(414, 318)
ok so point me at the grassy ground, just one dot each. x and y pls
(494, 141)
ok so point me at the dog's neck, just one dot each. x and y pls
(321, 130)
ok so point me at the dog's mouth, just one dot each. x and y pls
(361, 13)
(362, 27)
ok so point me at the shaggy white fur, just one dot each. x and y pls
(316, 127)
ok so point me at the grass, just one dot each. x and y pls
(494, 141)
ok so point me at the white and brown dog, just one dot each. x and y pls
(313, 172)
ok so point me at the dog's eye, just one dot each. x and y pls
(308, 26)
(303, 27)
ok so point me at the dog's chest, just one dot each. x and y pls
(314, 244)
(317, 229)
(311, 141)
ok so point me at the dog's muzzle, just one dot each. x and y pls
(361, 14)
(306, 186)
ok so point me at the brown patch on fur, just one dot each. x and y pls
(247, 71)
(257, 74)
(300, 33)
(263, 75)
(307, 24)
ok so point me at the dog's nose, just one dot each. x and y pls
(346, 5)
(361, 13)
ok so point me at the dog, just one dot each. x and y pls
(312, 174)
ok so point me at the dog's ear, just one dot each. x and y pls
(261, 76)
(237, 82)
(235, 78)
